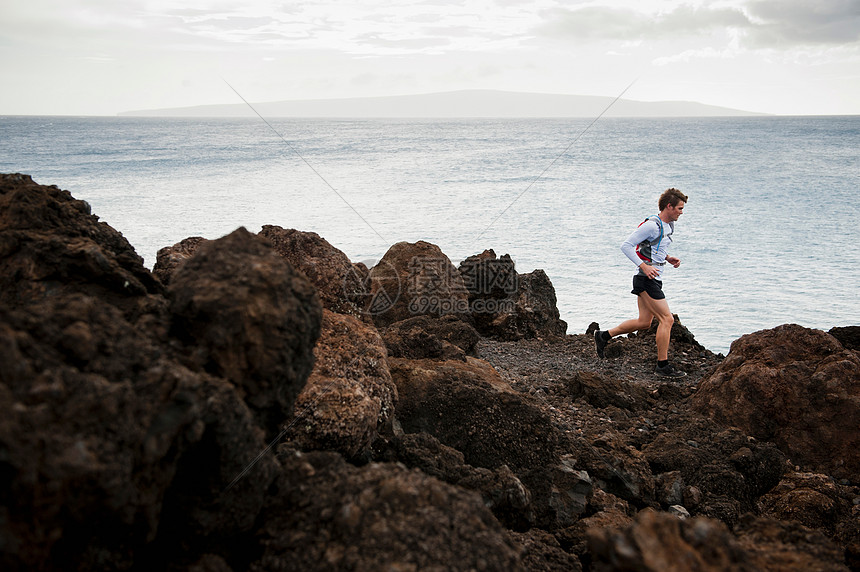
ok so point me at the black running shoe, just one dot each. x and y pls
(669, 371)
(600, 343)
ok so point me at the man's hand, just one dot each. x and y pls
(649, 270)
(675, 262)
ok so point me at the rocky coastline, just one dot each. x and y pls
(259, 402)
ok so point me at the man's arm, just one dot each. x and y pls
(647, 231)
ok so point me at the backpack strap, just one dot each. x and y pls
(651, 250)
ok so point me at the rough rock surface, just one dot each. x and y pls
(501, 491)
(793, 386)
(50, 244)
(376, 517)
(248, 317)
(493, 285)
(536, 314)
(510, 306)
(169, 258)
(415, 279)
(818, 502)
(339, 285)
(657, 542)
(113, 452)
(778, 545)
(468, 407)
(349, 396)
(848, 336)
(423, 337)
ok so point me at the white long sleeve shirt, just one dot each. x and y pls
(649, 232)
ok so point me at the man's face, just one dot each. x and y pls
(676, 211)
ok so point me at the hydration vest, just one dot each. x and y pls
(647, 249)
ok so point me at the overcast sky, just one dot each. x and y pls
(100, 57)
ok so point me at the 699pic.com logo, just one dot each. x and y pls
(433, 286)
(373, 286)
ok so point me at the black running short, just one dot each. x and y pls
(653, 287)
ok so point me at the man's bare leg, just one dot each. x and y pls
(640, 323)
(660, 309)
(649, 308)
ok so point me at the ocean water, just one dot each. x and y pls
(769, 235)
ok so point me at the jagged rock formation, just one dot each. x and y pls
(507, 305)
(795, 387)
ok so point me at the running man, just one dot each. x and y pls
(646, 248)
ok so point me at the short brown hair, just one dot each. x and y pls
(671, 197)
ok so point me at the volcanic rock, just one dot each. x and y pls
(423, 337)
(168, 259)
(536, 312)
(501, 490)
(848, 336)
(787, 546)
(249, 317)
(507, 305)
(340, 287)
(542, 552)
(414, 279)
(603, 391)
(328, 515)
(137, 425)
(51, 245)
(818, 502)
(113, 452)
(493, 285)
(657, 541)
(467, 406)
(796, 387)
(727, 469)
(349, 395)
(617, 467)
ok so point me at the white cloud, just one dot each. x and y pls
(141, 53)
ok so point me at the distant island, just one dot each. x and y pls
(464, 103)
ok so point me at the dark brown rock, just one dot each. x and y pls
(606, 512)
(329, 515)
(616, 467)
(493, 285)
(340, 286)
(543, 553)
(818, 502)
(796, 387)
(168, 259)
(537, 313)
(507, 305)
(848, 336)
(113, 453)
(467, 406)
(657, 541)
(415, 279)
(51, 245)
(349, 396)
(249, 317)
(728, 470)
(133, 437)
(603, 391)
(423, 337)
(501, 490)
(787, 546)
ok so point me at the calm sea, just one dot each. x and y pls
(769, 236)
